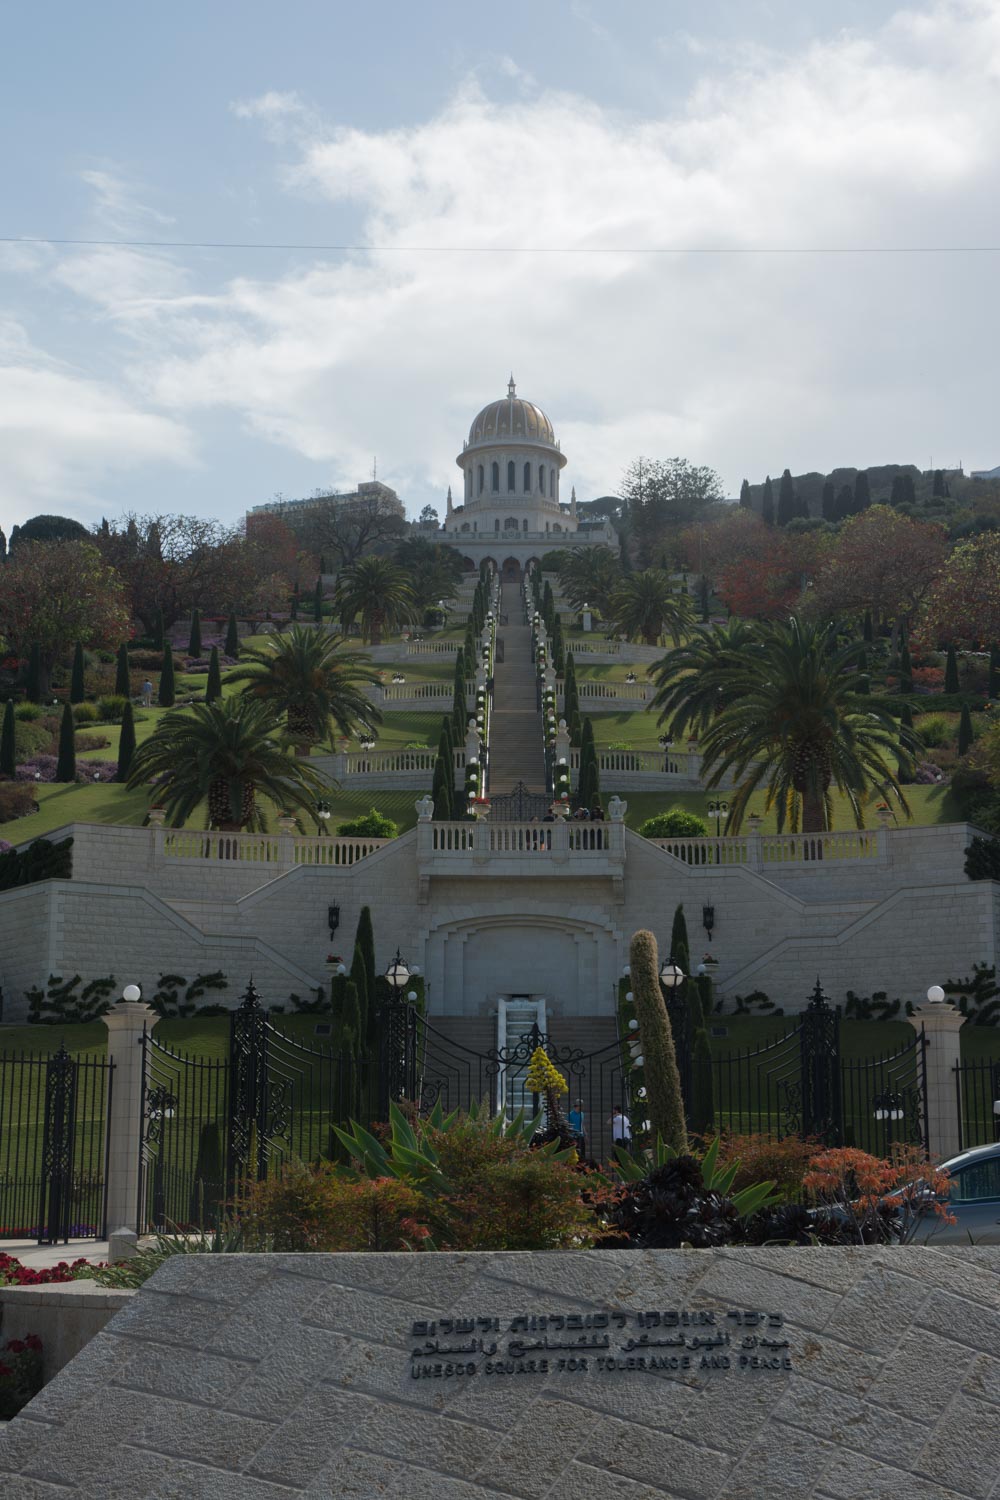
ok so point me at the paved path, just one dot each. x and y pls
(516, 751)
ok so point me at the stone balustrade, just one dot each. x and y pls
(433, 648)
(756, 851)
(608, 697)
(386, 770)
(281, 850)
(520, 850)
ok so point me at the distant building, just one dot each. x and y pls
(296, 513)
(511, 513)
(986, 473)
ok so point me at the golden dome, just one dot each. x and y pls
(511, 417)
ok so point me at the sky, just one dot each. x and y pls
(751, 233)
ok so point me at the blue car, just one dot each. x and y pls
(973, 1200)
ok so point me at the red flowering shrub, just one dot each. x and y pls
(20, 1374)
(931, 678)
(317, 1208)
(13, 1273)
(764, 1158)
(880, 1196)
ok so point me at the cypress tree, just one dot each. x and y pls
(442, 790)
(951, 683)
(123, 685)
(194, 640)
(232, 637)
(159, 631)
(364, 939)
(994, 684)
(126, 743)
(788, 505)
(862, 493)
(8, 742)
(589, 781)
(33, 681)
(905, 669)
(318, 601)
(213, 687)
(829, 501)
(77, 691)
(964, 730)
(571, 693)
(867, 632)
(446, 749)
(706, 994)
(664, 1103)
(680, 951)
(167, 694)
(558, 654)
(322, 564)
(864, 686)
(745, 500)
(66, 764)
(366, 1002)
(767, 504)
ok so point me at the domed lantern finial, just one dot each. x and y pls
(511, 390)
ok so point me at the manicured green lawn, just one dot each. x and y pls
(929, 805)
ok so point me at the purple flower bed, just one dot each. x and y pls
(43, 768)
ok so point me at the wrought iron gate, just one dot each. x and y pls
(53, 1146)
(209, 1123)
(519, 805)
(977, 1099)
(801, 1084)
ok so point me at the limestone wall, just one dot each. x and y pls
(799, 1374)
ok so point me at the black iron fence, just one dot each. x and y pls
(977, 1099)
(53, 1146)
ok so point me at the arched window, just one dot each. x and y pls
(496, 524)
(510, 524)
(552, 482)
(465, 526)
(511, 481)
(556, 526)
(525, 523)
(527, 479)
(541, 478)
(481, 479)
(495, 476)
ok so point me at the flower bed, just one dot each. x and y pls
(20, 1374)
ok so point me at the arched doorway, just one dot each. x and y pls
(511, 570)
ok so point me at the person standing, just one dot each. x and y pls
(621, 1127)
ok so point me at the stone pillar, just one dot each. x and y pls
(126, 1022)
(942, 1025)
(588, 619)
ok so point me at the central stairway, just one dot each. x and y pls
(516, 743)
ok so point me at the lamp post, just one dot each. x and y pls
(397, 974)
(717, 810)
(323, 815)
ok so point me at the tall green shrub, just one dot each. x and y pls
(33, 680)
(232, 636)
(126, 743)
(905, 669)
(951, 683)
(77, 690)
(589, 783)
(213, 686)
(964, 730)
(706, 994)
(442, 791)
(123, 683)
(664, 1103)
(702, 1090)
(167, 695)
(365, 940)
(66, 763)
(680, 950)
(8, 753)
(194, 639)
(366, 1001)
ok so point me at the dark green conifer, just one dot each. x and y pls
(66, 763)
(126, 743)
(318, 602)
(829, 501)
(767, 503)
(8, 742)
(745, 500)
(77, 690)
(213, 686)
(993, 688)
(905, 669)
(123, 683)
(788, 505)
(167, 694)
(159, 631)
(680, 951)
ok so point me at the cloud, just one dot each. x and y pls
(62, 433)
(485, 218)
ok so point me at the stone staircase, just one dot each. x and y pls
(516, 752)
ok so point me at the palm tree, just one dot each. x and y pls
(796, 721)
(645, 604)
(229, 752)
(376, 592)
(589, 575)
(308, 676)
(695, 681)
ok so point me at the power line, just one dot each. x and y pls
(10, 239)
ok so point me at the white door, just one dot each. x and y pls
(516, 1015)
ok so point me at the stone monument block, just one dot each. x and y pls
(791, 1373)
